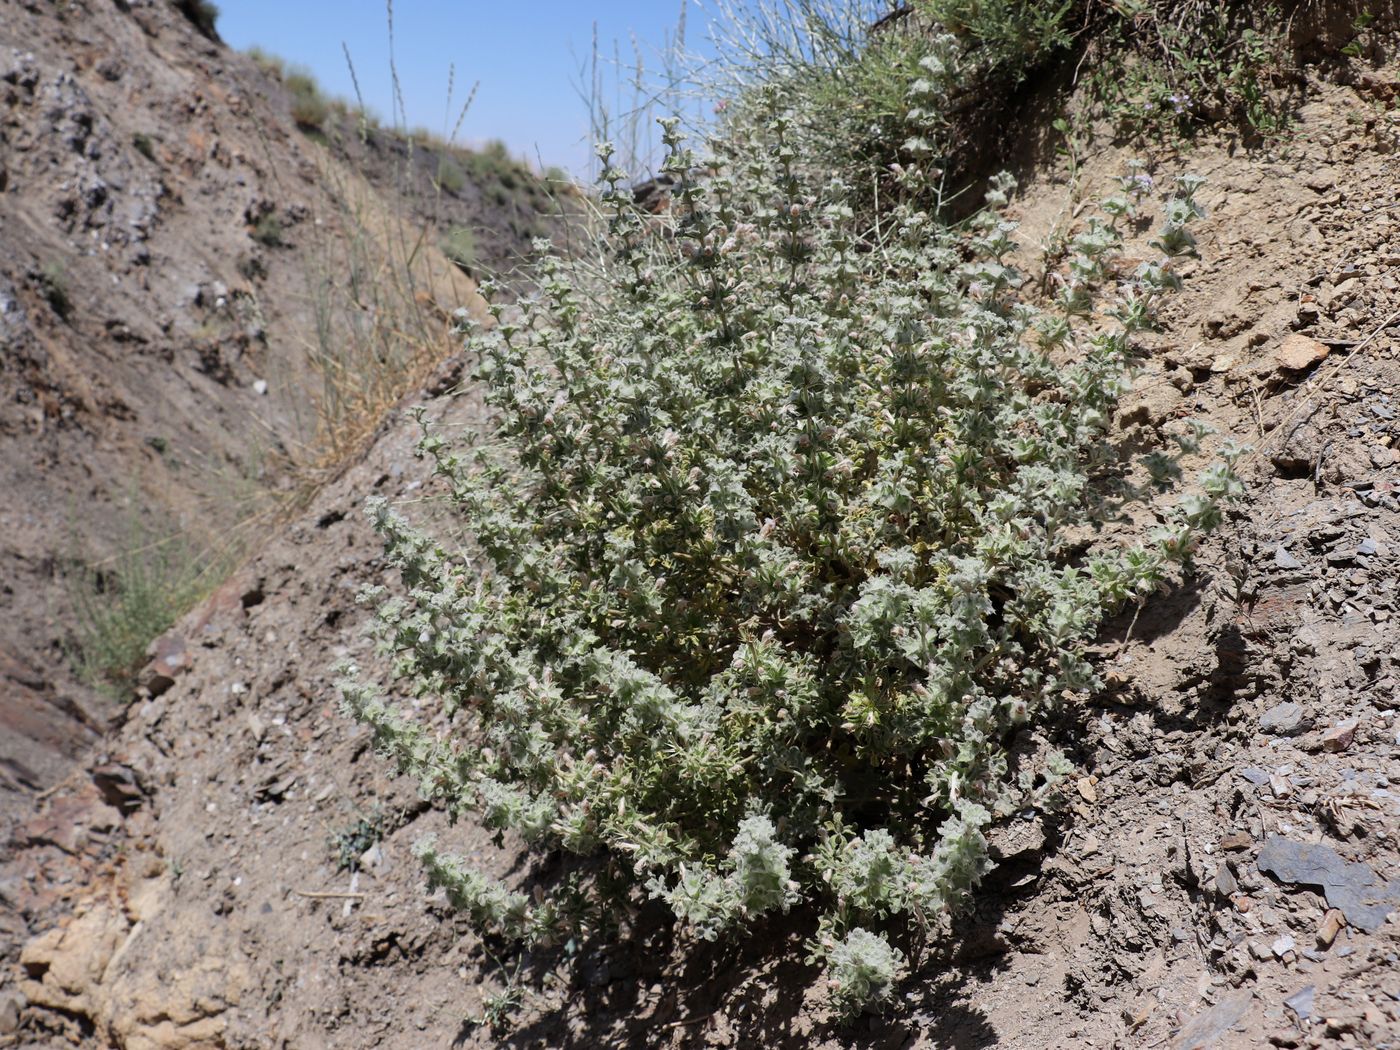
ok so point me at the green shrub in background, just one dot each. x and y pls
(459, 245)
(268, 230)
(450, 175)
(310, 108)
(1151, 67)
(52, 282)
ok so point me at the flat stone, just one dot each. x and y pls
(1363, 898)
(1298, 353)
(1284, 560)
(1205, 1029)
(1320, 180)
(1301, 1002)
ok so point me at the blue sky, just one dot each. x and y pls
(527, 54)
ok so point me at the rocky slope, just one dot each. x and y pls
(178, 268)
(232, 867)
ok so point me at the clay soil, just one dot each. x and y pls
(231, 865)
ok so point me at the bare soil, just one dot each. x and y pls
(231, 866)
(159, 366)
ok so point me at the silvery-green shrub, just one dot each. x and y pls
(776, 551)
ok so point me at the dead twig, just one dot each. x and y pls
(329, 895)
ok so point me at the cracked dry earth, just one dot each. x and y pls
(1222, 875)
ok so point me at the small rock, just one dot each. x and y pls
(1346, 290)
(260, 386)
(1297, 353)
(1255, 775)
(169, 658)
(1367, 547)
(1282, 946)
(1284, 560)
(1301, 1002)
(1280, 786)
(1089, 846)
(120, 786)
(1237, 840)
(1086, 789)
(1340, 736)
(1331, 925)
(372, 859)
(1321, 180)
(9, 1015)
(1225, 882)
(1283, 719)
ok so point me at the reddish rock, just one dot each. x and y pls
(1340, 736)
(1298, 353)
(169, 659)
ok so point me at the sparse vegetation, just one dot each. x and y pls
(379, 327)
(310, 108)
(123, 602)
(52, 281)
(203, 14)
(268, 230)
(459, 245)
(493, 163)
(349, 843)
(450, 176)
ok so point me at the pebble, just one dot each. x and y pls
(1282, 946)
(1284, 560)
(1331, 925)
